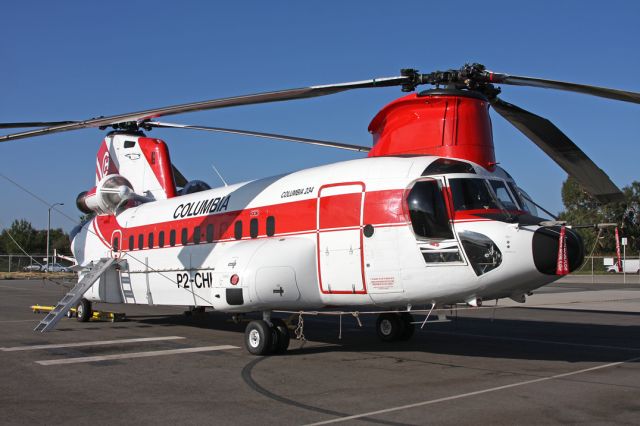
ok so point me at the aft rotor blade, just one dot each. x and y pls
(26, 124)
(319, 142)
(561, 149)
(603, 92)
(258, 98)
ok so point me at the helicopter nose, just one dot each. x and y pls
(545, 249)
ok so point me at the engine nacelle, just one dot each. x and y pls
(112, 193)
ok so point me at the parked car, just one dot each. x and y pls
(631, 266)
(55, 267)
(32, 268)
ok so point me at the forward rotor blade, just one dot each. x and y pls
(33, 124)
(561, 149)
(339, 145)
(178, 177)
(258, 98)
(603, 92)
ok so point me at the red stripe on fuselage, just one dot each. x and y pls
(296, 217)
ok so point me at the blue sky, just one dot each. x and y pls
(77, 59)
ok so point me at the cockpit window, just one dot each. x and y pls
(471, 194)
(505, 198)
(446, 165)
(526, 203)
(428, 211)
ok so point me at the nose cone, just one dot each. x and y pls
(545, 249)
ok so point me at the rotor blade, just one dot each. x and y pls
(33, 124)
(340, 145)
(178, 177)
(258, 98)
(603, 92)
(561, 149)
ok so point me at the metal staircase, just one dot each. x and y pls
(72, 298)
(127, 289)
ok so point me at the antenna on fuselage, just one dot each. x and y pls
(219, 175)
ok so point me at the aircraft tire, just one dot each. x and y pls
(281, 333)
(83, 311)
(389, 327)
(409, 328)
(258, 337)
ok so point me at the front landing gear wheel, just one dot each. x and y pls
(281, 332)
(258, 337)
(389, 327)
(83, 311)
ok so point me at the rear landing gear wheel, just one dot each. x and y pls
(389, 327)
(408, 327)
(258, 337)
(281, 332)
(83, 311)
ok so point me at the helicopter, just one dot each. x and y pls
(428, 217)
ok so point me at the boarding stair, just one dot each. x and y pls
(71, 299)
(127, 289)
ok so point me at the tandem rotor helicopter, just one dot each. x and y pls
(427, 218)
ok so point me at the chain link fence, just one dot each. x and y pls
(22, 262)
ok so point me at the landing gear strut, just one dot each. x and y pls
(395, 326)
(264, 338)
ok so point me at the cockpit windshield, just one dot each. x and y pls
(471, 194)
(501, 191)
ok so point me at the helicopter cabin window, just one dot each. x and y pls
(140, 241)
(525, 200)
(161, 239)
(172, 237)
(237, 230)
(428, 211)
(150, 240)
(196, 235)
(471, 194)
(209, 233)
(253, 228)
(271, 226)
(505, 198)
(116, 244)
(129, 144)
(185, 237)
(131, 242)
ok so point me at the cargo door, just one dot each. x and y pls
(339, 233)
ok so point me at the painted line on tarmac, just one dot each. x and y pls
(478, 392)
(16, 288)
(544, 342)
(134, 355)
(95, 343)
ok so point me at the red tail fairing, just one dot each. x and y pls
(157, 155)
(446, 123)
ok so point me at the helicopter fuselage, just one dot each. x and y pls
(382, 231)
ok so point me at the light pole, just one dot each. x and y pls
(47, 265)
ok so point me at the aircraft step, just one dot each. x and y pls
(71, 299)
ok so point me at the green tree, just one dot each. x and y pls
(582, 209)
(23, 234)
(31, 240)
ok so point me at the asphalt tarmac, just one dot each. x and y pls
(569, 355)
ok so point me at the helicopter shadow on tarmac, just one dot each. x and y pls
(539, 339)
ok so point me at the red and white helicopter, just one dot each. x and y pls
(427, 218)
